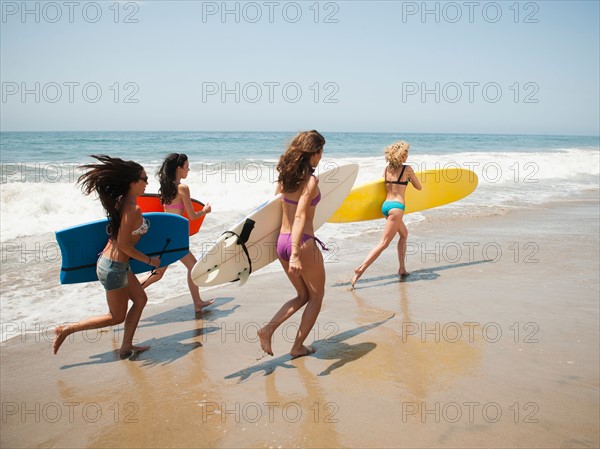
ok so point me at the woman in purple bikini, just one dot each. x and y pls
(297, 245)
(175, 198)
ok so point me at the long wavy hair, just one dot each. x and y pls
(166, 176)
(111, 179)
(294, 165)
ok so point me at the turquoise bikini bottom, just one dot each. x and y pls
(387, 206)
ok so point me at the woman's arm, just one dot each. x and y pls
(309, 191)
(124, 244)
(184, 193)
(414, 180)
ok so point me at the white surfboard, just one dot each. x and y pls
(251, 243)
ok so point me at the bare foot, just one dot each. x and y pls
(304, 351)
(265, 341)
(402, 272)
(357, 274)
(140, 348)
(61, 332)
(125, 353)
(203, 304)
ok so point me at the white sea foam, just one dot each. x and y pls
(38, 206)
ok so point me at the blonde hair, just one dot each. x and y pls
(396, 152)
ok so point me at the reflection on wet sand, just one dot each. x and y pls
(164, 398)
(411, 354)
(317, 424)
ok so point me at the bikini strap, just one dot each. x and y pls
(284, 199)
(401, 173)
(323, 247)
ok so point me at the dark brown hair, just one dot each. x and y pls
(294, 165)
(166, 176)
(111, 178)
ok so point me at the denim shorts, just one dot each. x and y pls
(111, 274)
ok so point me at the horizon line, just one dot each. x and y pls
(291, 131)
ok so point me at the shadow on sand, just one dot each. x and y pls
(186, 313)
(164, 350)
(333, 348)
(426, 274)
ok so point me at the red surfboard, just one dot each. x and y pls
(150, 202)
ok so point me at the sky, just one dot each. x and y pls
(502, 67)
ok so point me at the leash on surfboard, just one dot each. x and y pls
(242, 239)
(153, 272)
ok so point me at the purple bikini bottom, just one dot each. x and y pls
(284, 245)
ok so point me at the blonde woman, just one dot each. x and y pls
(397, 175)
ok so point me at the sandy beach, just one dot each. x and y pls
(492, 341)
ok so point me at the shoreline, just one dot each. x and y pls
(472, 349)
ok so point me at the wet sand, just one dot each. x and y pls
(491, 341)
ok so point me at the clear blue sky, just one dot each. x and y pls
(374, 58)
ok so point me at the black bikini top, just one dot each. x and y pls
(402, 183)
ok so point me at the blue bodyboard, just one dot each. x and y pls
(80, 245)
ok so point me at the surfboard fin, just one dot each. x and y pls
(212, 274)
(243, 276)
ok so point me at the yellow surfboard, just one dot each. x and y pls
(441, 186)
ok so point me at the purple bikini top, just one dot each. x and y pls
(313, 203)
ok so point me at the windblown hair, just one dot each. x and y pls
(294, 165)
(166, 176)
(111, 179)
(396, 152)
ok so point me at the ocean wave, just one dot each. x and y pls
(234, 188)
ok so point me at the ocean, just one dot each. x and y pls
(235, 172)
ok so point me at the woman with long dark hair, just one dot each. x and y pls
(175, 198)
(117, 183)
(297, 245)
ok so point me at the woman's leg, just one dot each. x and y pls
(117, 310)
(392, 225)
(287, 310)
(138, 296)
(189, 261)
(403, 233)
(313, 275)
